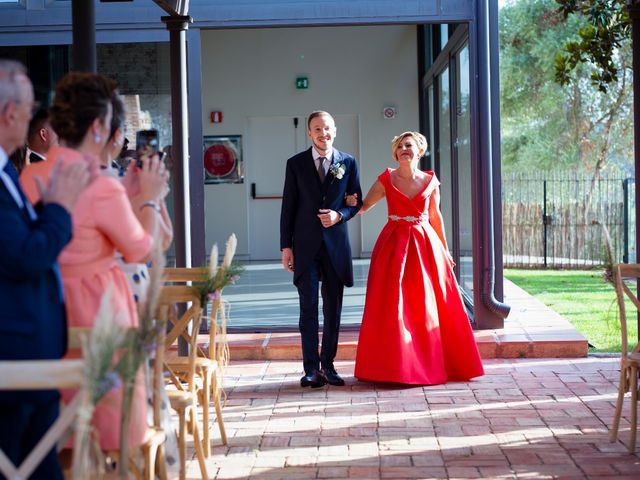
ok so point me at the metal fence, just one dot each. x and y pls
(548, 219)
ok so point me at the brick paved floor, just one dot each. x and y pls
(526, 418)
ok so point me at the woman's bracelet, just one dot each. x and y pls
(151, 204)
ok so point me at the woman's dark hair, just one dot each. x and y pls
(80, 98)
(117, 113)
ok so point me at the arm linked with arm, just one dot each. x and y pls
(375, 194)
(353, 187)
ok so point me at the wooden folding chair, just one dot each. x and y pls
(41, 375)
(184, 398)
(152, 447)
(630, 357)
(208, 363)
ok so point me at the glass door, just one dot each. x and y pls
(443, 149)
(462, 145)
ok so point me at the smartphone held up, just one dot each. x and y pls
(147, 144)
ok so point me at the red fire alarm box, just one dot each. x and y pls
(216, 117)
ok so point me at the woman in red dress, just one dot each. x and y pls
(415, 329)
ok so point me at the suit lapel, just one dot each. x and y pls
(329, 179)
(337, 157)
(310, 167)
(26, 208)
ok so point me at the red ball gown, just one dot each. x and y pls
(415, 329)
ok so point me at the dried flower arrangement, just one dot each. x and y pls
(139, 346)
(218, 277)
(100, 376)
(210, 289)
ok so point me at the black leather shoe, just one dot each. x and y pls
(313, 380)
(332, 377)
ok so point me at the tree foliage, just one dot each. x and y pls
(549, 125)
(606, 30)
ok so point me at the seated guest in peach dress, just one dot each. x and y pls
(137, 273)
(103, 222)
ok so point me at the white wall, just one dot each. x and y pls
(351, 70)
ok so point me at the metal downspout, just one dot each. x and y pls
(488, 97)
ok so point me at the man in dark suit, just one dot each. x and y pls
(32, 315)
(314, 240)
(40, 136)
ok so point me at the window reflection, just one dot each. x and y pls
(444, 154)
(463, 129)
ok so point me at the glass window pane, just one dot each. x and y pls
(463, 129)
(429, 163)
(444, 35)
(444, 152)
(142, 73)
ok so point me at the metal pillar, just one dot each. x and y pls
(496, 160)
(196, 172)
(177, 26)
(83, 51)
(489, 312)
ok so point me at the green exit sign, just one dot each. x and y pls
(302, 83)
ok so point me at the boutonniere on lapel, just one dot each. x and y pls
(337, 170)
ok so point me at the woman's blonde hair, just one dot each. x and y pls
(420, 140)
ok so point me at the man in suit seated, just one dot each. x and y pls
(32, 314)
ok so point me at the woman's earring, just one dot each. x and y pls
(97, 138)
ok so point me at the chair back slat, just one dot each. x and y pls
(622, 272)
(193, 351)
(184, 274)
(178, 294)
(158, 368)
(629, 360)
(180, 325)
(631, 295)
(173, 296)
(40, 374)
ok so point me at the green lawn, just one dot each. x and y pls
(583, 298)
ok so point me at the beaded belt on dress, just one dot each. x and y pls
(408, 218)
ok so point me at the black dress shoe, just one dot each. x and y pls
(332, 377)
(313, 380)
